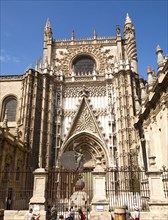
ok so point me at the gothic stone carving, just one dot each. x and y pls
(93, 91)
(97, 51)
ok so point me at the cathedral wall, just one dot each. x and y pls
(10, 88)
(162, 140)
(158, 145)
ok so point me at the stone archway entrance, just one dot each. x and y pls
(74, 187)
(90, 146)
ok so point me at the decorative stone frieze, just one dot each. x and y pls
(94, 50)
(93, 91)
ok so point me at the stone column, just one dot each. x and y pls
(100, 204)
(38, 201)
(158, 204)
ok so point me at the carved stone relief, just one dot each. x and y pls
(97, 112)
(86, 120)
(96, 51)
(93, 91)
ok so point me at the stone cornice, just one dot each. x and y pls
(86, 41)
(11, 77)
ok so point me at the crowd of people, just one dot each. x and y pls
(77, 214)
(70, 214)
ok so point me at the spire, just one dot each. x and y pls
(128, 19)
(48, 31)
(149, 70)
(73, 35)
(130, 40)
(94, 33)
(159, 53)
(150, 77)
(47, 23)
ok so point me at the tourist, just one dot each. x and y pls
(136, 213)
(53, 213)
(30, 214)
(128, 213)
(37, 217)
(72, 213)
(67, 214)
(61, 217)
(48, 213)
(33, 216)
(81, 216)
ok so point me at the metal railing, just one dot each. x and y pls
(16, 189)
(165, 182)
(123, 187)
(128, 187)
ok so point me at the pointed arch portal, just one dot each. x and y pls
(90, 146)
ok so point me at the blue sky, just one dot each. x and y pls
(22, 24)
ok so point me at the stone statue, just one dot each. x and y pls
(79, 198)
(79, 160)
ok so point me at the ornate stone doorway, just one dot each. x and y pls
(90, 146)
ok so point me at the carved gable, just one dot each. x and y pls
(84, 121)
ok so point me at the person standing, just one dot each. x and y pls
(81, 215)
(72, 213)
(53, 213)
(128, 213)
(48, 213)
(30, 214)
(66, 214)
(136, 213)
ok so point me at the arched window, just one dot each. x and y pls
(10, 105)
(83, 65)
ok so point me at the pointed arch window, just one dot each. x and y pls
(9, 106)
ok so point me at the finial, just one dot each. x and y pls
(46, 62)
(47, 23)
(149, 70)
(73, 35)
(150, 77)
(159, 53)
(95, 34)
(48, 31)
(37, 64)
(158, 49)
(128, 19)
(118, 30)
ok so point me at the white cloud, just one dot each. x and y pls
(4, 57)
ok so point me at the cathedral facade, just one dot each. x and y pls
(86, 96)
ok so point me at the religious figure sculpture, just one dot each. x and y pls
(79, 160)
